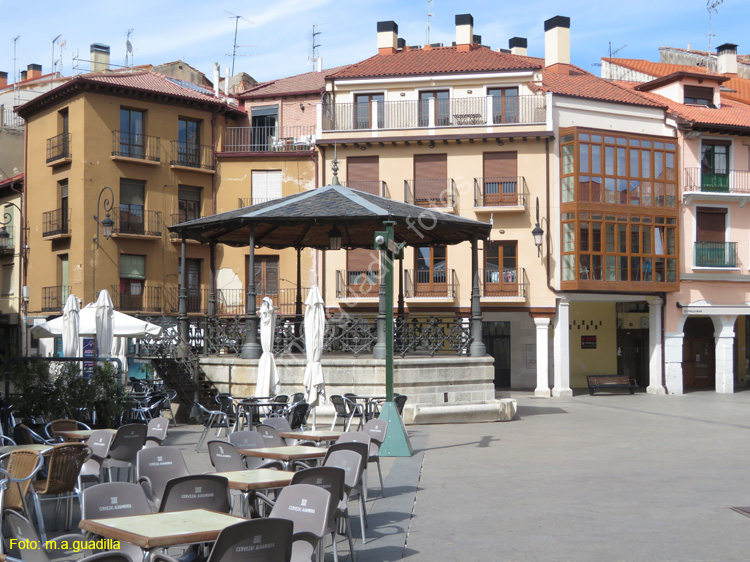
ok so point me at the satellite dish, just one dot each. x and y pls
(129, 46)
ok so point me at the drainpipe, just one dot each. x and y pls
(213, 176)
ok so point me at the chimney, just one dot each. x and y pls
(401, 44)
(320, 64)
(518, 46)
(99, 57)
(387, 37)
(217, 75)
(464, 32)
(557, 44)
(726, 58)
(35, 71)
(3, 79)
(23, 76)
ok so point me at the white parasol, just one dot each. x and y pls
(122, 325)
(315, 325)
(104, 319)
(120, 350)
(268, 378)
(70, 331)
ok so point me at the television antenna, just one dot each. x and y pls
(129, 48)
(16, 87)
(429, 15)
(314, 46)
(711, 6)
(611, 54)
(52, 64)
(235, 46)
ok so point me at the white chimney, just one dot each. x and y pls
(518, 46)
(464, 32)
(320, 64)
(557, 44)
(726, 58)
(387, 37)
(217, 73)
(99, 57)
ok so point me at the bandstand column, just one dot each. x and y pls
(477, 347)
(251, 348)
(212, 281)
(183, 328)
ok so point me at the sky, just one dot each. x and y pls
(275, 38)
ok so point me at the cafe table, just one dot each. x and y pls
(370, 401)
(38, 447)
(249, 481)
(286, 454)
(80, 434)
(156, 530)
(316, 435)
(246, 408)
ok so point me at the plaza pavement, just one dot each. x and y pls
(585, 478)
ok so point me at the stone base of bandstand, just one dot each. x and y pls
(441, 389)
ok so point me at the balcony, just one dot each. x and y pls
(148, 301)
(506, 284)
(58, 149)
(715, 254)
(8, 245)
(231, 302)
(431, 193)
(177, 218)
(357, 284)
(9, 119)
(731, 182)
(134, 220)
(53, 298)
(193, 156)
(268, 139)
(138, 147)
(435, 284)
(413, 114)
(373, 187)
(56, 223)
(509, 193)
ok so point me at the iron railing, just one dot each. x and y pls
(134, 219)
(268, 139)
(431, 192)
(10, 119)
(508, 282)
(729, 181)
(455, 112)
(58, 147)
(7, 245)
(148, 301)
(53, 298)
(133, 145)
(231, 302)
(197, 300)
(192, 155)
(357, 284)
(435, 283)
(247, 201)
(715, 254)
(373, 187)
(178, 218)
(56, 222)
(500, 192)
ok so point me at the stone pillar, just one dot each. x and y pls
(673, 342)
(542, 357)
(212, 281)
(378, 352)
(562, 350)
(655, 362)
(477, 347)
(183, 327)
(725, 355)
(251, 348)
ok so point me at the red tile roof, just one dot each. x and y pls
(308, 83)
(438, 60)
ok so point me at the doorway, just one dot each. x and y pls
(698, 361)
(496, 338)
(632, 355)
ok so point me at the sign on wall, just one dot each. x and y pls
(588, 342)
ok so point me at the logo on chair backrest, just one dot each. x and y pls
(304, 503)
(159, 459)
(113, 500)
(257, 539)
(198, 489)
(221, 450)
(318, 481)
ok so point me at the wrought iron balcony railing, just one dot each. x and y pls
(53, 298)
(135, 220)
(430, 192)
(56, 223)
(507, 282)
(268, 139)
(132, 145)
(192, 155)
(357, 284)
(231, 302)
(436, 283)
(715, 254)
(10, 119)
(58, 147)
(373, 187)
(148, 301)
(500, 192)
(455, 112)
(177, 218)
(728, 181)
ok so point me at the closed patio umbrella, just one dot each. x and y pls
(70, 327)
(315, 325)
(268, 378)
(104, 323)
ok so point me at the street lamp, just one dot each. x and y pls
(334, 239)
(4, 239)
(4, 234)
(538, 232)
(107, 222)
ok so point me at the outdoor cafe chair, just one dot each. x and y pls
(352, 457)
(376, 429)
(128, 440)
(166, 406)
(5, 440)
(22, 529)
(180, 495)
(155, 466)
(98, 443)
(228, 406)
(65, 462)
(24, 435)
(252, 440)
(271, 438)
(345, 409)
(225, 458)
(358, 437)
(330, 478)
(51, 429)
(211, 419)
(360, 413)
(297, 397)
(156, 432)
(22, 466)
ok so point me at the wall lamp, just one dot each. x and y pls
(538, 232)
(107, 223)
(334, 239)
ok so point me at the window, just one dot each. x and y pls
(431, 271)
(193, 284)
(699, 95)
(362, 173)
(62, 227)
(132, 278)
(501, 269)
(265, 185)
(431, 181)
(7, 285)
(131, 133)
(711, 248)
(504, 105)
(500, 179)
(440, 114)
(188, 142)
(132, 197)
(363, 108)
(362, 271)
(189, 203)
(264, 122)
(62, 278)
(266, 278)
(715, 165)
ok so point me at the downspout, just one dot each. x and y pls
(23, 274)
(549, 228)
(215, 160)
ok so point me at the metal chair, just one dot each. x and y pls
(128, 440)
(211, 419)
(21, 466)
(179, 493)
(360, 413)
(51, 429)
(171, 396)
(346, 409)
(155, 467)
(65, 464)
(228, 406)
(5, 440)
(24, 435)
(297, 415)
(352, 457)
(376, 429)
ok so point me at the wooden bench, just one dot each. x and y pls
(608, 382)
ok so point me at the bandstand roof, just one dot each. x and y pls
(304, 220)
